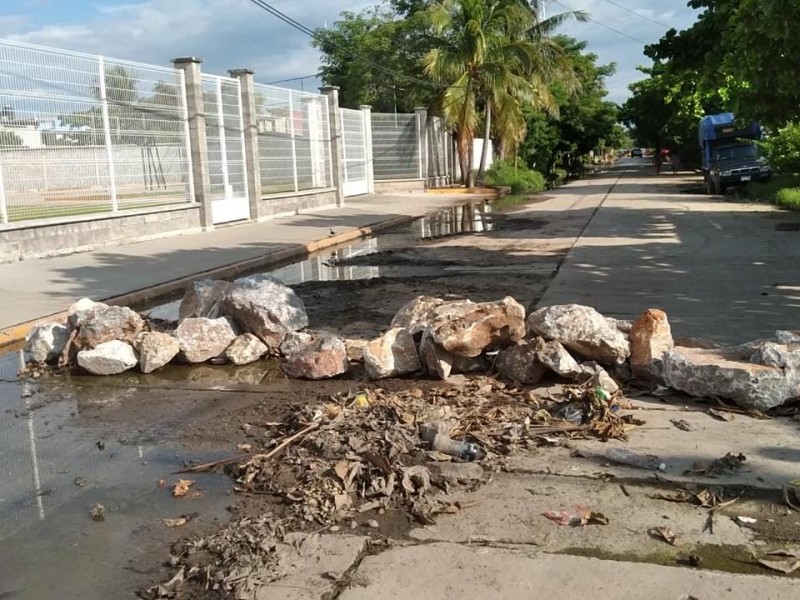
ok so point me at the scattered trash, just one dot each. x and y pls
(682, 424)
(665, 534)
(571, 413)
(577, 518)
(79, 481)
(373, 524)
(784, 561)
(182, 487)
(98, 512)
(101, 445)
(623, 456)
(451, 447)
(175, 522)
(244, 447)
(727, 465)
(743, 520)
(361, 401)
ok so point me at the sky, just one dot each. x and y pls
(230, 34)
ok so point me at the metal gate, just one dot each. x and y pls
(354, 152)
(226, 155)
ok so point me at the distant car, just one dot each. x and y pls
(637, 153)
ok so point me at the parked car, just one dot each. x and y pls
(637, 153)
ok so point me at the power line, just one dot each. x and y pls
(315, 76)
(312, 34)
(595, 21)
(641, 16)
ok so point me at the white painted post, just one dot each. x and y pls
(366, 112)
(246, 165)
(3, 207)
(186, 132)
(223, 146)
(107, 129)
(294, 143)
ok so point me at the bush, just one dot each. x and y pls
(521, 179)
(559, 176)
(788, 198)
(782, 190)
(783, 149)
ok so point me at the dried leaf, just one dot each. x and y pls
(665, 534)
(682, 424)
(175, 522)
(577, 518)
(784, 561)
(98, 512)
(720, 415)
(341, 469)
(182, 487)
(244, 447)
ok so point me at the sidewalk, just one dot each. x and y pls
(31, 290)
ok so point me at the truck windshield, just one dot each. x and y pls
(738, 152)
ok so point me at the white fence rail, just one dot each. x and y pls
(81, 134)
(355, 152)
(294, 140)
(396, 146)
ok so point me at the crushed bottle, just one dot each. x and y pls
(623, 456)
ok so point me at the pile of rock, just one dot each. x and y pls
(243, 321)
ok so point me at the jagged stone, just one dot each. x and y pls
(650, 340)
(520, 363)
(469, 329)
(582, 330)
(155, 350)
(391, 355)
(108, 358)
(355, 349)
(417, 315)
(295, 341)
(557, 358)
(84, 308)
(245, 349)
(441, 363)
(323, 358)
(265, 307)
(45, 342)
(599, 377)
(202, 299)
(107, 323)
(202, 339)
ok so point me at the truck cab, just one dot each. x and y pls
(730, 155)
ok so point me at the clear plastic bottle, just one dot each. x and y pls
(623, 456)
(462, 450)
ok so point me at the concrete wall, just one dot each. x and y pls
(281, 205)
(51, 239)
(400, 185)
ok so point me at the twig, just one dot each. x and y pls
(267, 456)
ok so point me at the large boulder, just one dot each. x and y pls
(392, 354)
(202, 339)
(46, 342)
(728, 373)
(81, 310)
(416, 315)
(650, 340)
(295, 341)
(469, 329)
(265, 307)
(557, 358)
(202, 299)
(323, 358)
(439, 362)
(583, 330)
(245, 349)
(520, 363)
(107, 323)
(155, 349)
(108, 358)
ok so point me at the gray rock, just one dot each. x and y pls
(355, 349)
(202, 299)
(599, 377)
(727, 373)
(520, 363)
(582, 330)
(392, 354)
(84, 308)
(107, 323)
(774, 353)
(469, 329)
(202, 339)
(245, 349)
(787, 337)
(650, 340)
(557, 358)
(45, 342)
(417, 315)
(108, 358)
(155, 349)
(324, 358)
(622, 325)
(265, 307)
(295, 341)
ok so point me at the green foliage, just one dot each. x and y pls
(520, 179)
(559, 176)
(788, 198)
(9, 139)
(783, 149)
(782, 190)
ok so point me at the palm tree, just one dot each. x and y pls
(498, 54)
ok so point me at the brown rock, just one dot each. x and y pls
(392, 354)
(355, 349)
(155, 350)
(417, 314)
(324, 358)
(520, 363)
(202, 339)
(441, 363)
(245, 349)
(650, 340)
(108, 323)
(480, 327)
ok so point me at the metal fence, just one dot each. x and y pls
(396, 146)
(355, 152)
(82, 134)
(294, 140)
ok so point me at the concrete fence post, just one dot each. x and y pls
(251, 151)
(422, 138)
(198, 141)
(370, 164)
(335, 120)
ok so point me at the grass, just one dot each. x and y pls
(782, 190)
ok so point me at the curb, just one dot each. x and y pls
(12, 338)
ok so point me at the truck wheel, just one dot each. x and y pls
(719, 189)
(709, 187)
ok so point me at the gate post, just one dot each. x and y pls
(335, 120)
(196, 114)
(252, 156)
(422, 139)
(366, 111)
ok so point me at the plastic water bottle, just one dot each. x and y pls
(623, 456)
(463, 450)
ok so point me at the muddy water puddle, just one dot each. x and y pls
(56, 465)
